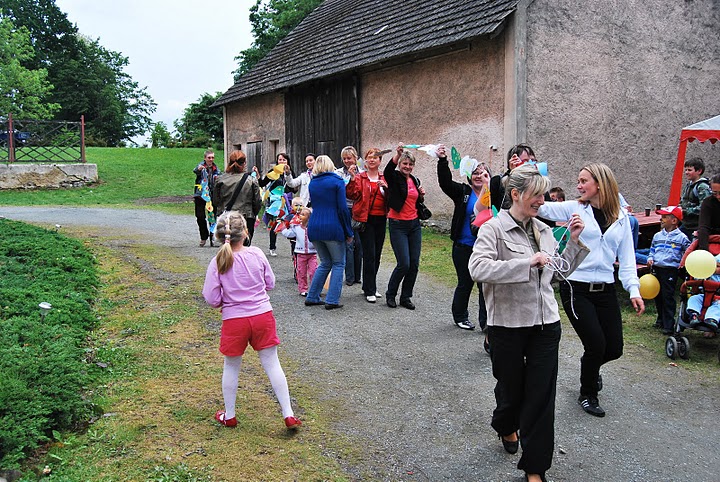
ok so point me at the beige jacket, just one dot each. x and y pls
(517, 295)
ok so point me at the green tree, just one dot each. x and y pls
(271, 21)
(160, 136)
(201, 125)
(89, 80)
(23, 91)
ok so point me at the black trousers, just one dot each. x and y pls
(461, 258)
(525, 365)
(200, 217)
(599, 326)
(372, 239)
(665, 300)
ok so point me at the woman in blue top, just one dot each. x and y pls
(464, 196)
(329, 229)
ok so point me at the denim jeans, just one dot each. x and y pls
(406, 242)
(332, 262)
(353, 259)
(461, 258)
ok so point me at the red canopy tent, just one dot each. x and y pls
(707, 130)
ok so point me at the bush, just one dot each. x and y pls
(44, 375)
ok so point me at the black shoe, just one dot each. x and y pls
(349, 283)
(590, 405)
(486, 345)
(330, 306)
(667, 332)
(314, 303)
(391, 302)
(510, 447)
(407, 304)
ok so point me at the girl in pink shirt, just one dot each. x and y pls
(237, 281)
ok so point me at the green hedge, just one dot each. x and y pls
(43, 374)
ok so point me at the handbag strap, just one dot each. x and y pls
(236, 193)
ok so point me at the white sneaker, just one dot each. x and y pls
(371, 299)
(378, 294)
(273, 253)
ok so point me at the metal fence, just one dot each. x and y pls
(42, 141)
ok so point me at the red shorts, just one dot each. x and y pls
(258, 330)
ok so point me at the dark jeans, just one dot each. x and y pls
(406, 242)
(353, 259)
(251, 230)
(525, 365)
(665, 300)
(461, 258)
(599, 327)
(200, 217)
(273, 238)
(372, 239)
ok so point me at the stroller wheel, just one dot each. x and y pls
(671, 348)
(684, 348)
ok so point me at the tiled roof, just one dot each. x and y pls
(344, 35)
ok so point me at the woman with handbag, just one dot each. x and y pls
(367, 190)
(236, 190)
(404, 198)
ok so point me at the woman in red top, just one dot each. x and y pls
(367, 189)
(403, 194)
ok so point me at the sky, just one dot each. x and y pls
(178, 49)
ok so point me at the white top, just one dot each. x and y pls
(303, 180)
(616, 243)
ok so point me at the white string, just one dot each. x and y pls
(560, 265)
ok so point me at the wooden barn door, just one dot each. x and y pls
(322, 119)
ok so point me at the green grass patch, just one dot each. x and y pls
(44, 365)
(126, 176)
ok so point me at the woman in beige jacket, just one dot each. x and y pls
(515, 258)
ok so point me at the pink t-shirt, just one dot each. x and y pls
(242, 290)
(409, 211)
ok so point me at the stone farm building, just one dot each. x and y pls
(611, 81)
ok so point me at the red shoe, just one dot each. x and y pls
(292, 422)
(220, 417)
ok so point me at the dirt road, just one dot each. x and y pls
(417, 392)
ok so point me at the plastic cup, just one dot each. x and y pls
(647, 211)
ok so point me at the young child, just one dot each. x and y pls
(305, 253)
(237, 281)
(666, 252)
(695, 304)
(697, 189)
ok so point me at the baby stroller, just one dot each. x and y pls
(676, 344)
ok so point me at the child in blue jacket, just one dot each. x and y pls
(666, 252)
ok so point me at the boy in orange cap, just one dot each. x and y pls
(666, 251)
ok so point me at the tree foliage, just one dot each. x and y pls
(160, 136)
(23, 91)
(271, 21)
(88, 79)
(201, 125)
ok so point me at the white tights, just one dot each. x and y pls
(271, 364)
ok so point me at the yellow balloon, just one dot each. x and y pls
(649, 286)
(700, 264)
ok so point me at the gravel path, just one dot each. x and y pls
(417, 392)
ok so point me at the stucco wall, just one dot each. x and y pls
(261, 119)
(455, 99)
(615, 82)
